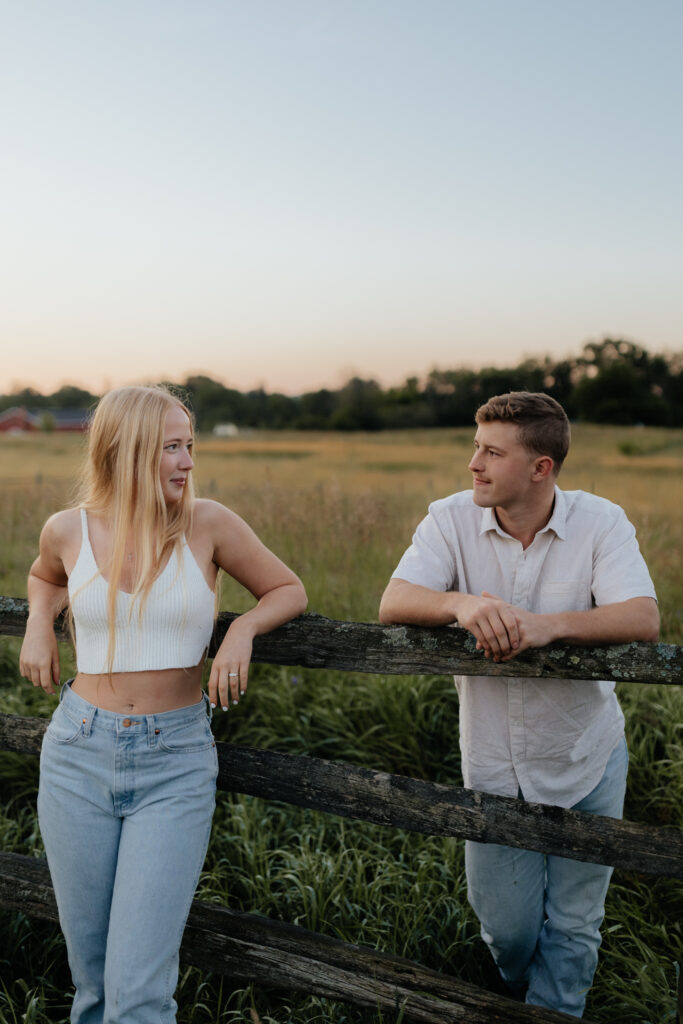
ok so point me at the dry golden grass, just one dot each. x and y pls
(342, 507)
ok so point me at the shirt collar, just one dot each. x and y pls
(557, 521)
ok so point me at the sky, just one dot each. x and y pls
(286, 193)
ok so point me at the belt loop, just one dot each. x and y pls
(208, 708)
(64, 689)
(151, 730)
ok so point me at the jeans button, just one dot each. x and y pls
(126, 723)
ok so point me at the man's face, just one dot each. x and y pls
(501, 467)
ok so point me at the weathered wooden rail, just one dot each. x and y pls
(248, 947)
(279, 955)
(313, 641)
(418, 806)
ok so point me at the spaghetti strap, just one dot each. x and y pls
(86, 546)
(86, 567)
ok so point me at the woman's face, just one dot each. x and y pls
(176, 455)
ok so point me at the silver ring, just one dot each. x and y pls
(230, 674)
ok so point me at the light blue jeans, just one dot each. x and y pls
(540, 915)
(125, 808)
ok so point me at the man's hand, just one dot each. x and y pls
(493, 622)
(534, 630)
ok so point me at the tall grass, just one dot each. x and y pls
(341, 511)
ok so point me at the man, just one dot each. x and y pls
(520, 563)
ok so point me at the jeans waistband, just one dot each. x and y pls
(113, 719)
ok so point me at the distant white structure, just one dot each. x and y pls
(226, 430)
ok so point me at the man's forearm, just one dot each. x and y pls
(411, 604)
(636, 619)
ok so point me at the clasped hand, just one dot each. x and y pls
(502, 630)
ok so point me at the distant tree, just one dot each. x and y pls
(406, 406)
(316, 409)
(620, 383)
(72, 397)
(25, 398)
(455, 395)
(611, 381)
(451, 396)
(557, 380)
(359, 406)
(212, 403)
(281, 411)
(672, 388)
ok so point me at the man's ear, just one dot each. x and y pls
(543, 467)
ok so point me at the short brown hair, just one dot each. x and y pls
(543, 423)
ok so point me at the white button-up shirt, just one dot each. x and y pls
(550, 737)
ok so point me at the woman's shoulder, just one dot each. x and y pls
(63, 525)
(214, 520)
(207, 512)
(60, 538)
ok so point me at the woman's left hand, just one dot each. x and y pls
(279, 593)
(230, 670)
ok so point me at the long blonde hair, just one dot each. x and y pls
(121, 483)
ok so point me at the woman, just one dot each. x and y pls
(128, 765)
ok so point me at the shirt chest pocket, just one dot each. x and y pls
(565, 596)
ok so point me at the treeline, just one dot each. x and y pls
(612, 381)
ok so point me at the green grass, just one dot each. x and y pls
(391, 890)
(341, 517)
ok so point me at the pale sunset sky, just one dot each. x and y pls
(288, 192)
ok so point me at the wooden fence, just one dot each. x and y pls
(279, 955)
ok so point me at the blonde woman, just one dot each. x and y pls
(128, 764)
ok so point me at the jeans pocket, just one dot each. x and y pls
(187, 737)
(63, 728)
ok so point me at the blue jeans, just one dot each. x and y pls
(540, 915)
(125, 808)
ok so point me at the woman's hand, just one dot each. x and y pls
(279, 593)
(230, 670)
(39, 656)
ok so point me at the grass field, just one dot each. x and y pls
(340, 510)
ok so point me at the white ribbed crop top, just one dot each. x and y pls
(176, 625)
